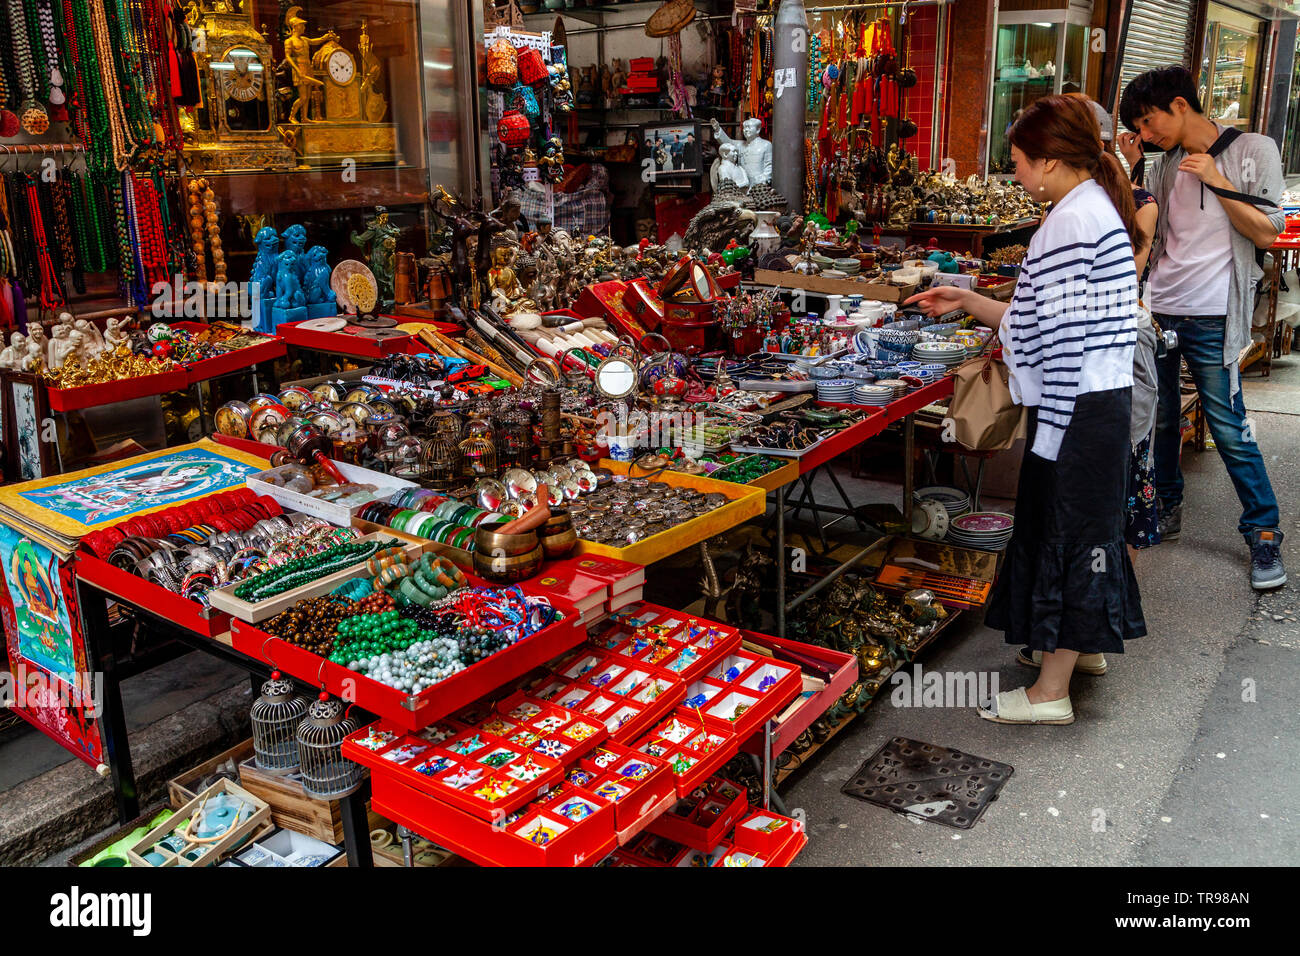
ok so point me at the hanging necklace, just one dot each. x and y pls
(34, 119)
(51, 73)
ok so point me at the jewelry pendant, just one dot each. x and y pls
(56, 96)
(56, 78)
(35, 120)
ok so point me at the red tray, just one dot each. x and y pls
(775, 847)
(681, 635)
(341, 342)
(638, 800)
(136, 590)
(141, 386)
(412, 712)
(459, 777)
(752, 671)
(702, 818)
(506, 844)
(633, 699)
(844, 671)
(660, 743)
(244, 358)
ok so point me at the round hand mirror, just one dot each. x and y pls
(616, 377)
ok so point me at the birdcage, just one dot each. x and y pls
(448, 424)
(275, 716)
(478, 450)
(326, 774)
(440, 458)
(516, 447)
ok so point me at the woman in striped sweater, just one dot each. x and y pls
(1067, 590)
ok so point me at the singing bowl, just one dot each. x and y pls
(558, 537)
(507, 570)
(490, 543)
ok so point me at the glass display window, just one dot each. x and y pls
(1036, 53)
(1229, 77)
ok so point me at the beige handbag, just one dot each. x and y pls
(985, 418)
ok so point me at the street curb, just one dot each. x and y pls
(64, 806)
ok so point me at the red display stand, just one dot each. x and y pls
(340, 342)
(413, 711)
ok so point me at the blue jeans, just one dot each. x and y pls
(1200, 341)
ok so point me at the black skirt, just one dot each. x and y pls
(1067, 582)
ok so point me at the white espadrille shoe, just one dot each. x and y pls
(1013, 707)
(1094, 664)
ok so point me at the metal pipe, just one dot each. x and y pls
(790, 102)
(582, 31)
(833, 576)
(877, 6)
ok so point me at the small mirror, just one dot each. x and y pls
(700, 282)
(616, 377)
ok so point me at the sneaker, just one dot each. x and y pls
(1171, 522)
(1266, 570)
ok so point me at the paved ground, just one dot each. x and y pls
(1185, 753)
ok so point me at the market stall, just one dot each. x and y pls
(483, 394)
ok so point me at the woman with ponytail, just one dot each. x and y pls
(1066, 591)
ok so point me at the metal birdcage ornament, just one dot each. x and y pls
(517, 439)
(478, 451)
(447, 424)
(441, 461)
(275, 716)
(326, 773)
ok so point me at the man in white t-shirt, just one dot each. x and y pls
(1202, 286)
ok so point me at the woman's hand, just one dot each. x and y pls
(940, 300)
(1130, 145)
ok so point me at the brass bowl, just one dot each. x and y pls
(493, 543)
(558, 537)
(508, 570)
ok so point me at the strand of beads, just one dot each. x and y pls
(304, 570)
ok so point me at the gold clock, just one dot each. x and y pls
(341, 68)
(242, 75)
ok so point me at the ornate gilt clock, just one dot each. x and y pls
(233, 127)
(338, 112)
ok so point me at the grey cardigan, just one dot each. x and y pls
(1253, 166)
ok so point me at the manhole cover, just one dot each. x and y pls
(935, 783)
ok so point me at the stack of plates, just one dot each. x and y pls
(836, 390)
(939, 353)
(956, 501)
(897, 387)
(872, 395)
(986, 530)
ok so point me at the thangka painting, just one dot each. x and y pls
(51, 684)
(116, 494)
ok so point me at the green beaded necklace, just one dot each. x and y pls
(305, 570)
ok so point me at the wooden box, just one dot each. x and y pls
(182, 788)
(292, 808)
(816, 283)
(215, 851)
